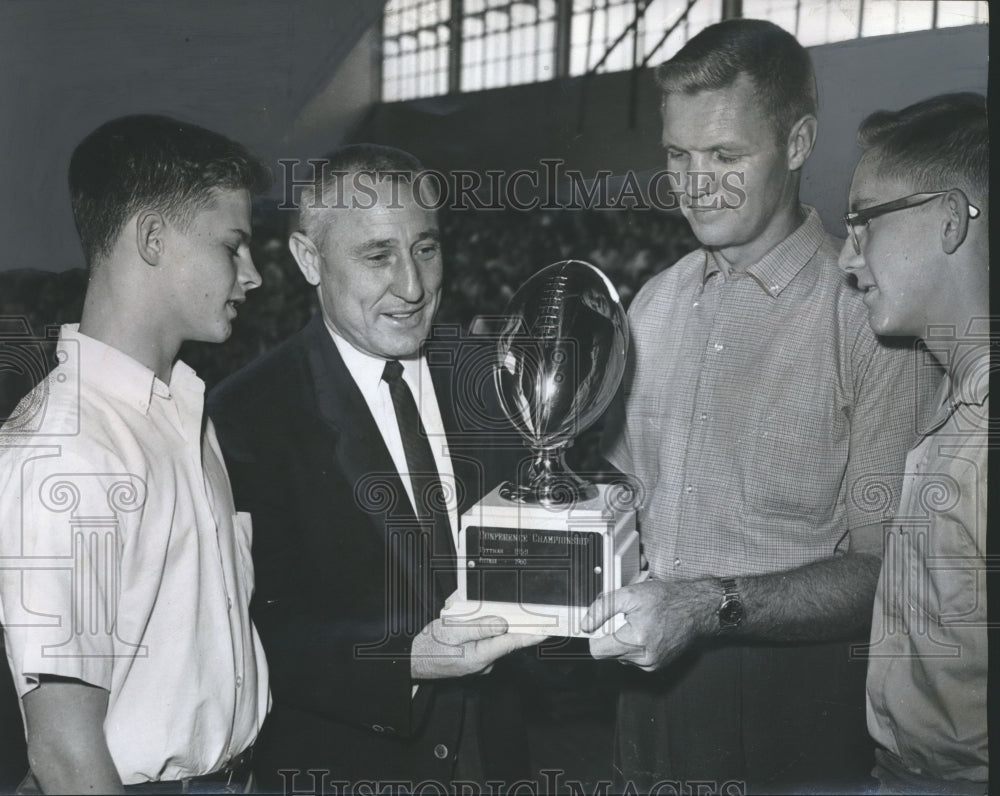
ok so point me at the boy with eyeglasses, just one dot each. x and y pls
(918, 246)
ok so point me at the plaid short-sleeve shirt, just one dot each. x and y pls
(762, 417)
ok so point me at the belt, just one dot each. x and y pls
(231, 778)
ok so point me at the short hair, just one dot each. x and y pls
(780, 68)
(330, 170)
(936, 144)
(151, 162)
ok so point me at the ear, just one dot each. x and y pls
(801, 139)
(150, 241)
(306, 255)
(955, 226)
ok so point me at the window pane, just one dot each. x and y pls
(825, 22)
(914, 15)
(514, 41)
(959, 12)
(416, 30)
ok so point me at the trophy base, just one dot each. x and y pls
(559, 493)
(540, 567)
(532, 620)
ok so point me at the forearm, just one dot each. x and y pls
(60, 770)
(825, 600)
(822, 601)
(67, 750)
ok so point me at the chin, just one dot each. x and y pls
(885, 326)
(391, 350)
(406, 346)
(710, 232)
(219, 335)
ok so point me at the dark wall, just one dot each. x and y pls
(249, 70)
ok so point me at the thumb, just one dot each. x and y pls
(494, 648)
(458, 631)
(606, 606)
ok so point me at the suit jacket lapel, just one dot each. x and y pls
(360, 451)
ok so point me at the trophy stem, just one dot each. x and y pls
(550, 482)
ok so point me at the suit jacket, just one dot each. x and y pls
(339, 595)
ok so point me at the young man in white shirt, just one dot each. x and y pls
(126, 582)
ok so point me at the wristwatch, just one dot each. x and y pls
(731, 610)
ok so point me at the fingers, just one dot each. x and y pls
(521, 640)
(607, 605)
(619, 644)
(456, 631)
(491, 649)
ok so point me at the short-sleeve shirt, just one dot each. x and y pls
(124, 563)
(927, 663)
(763, 419)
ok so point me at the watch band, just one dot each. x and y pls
(731, 610)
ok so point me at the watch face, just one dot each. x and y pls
(731, 613)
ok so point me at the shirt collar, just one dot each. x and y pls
(776, 269)
(116, 373)
(365, 369)
(973, 382)
(968, 386)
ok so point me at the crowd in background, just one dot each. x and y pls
(488, 254)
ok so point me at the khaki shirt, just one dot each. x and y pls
(928, 655)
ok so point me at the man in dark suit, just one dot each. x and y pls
(354, 512)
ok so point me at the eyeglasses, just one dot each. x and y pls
(860, 218)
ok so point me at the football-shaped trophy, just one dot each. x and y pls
(539, 550)
(559, 362)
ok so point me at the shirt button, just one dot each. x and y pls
(229, 603)
(378, 728)
(677, 562)
(239, 680)
(696, 304)
(689, 489)
(440, 751)
(704, 415)
(719, 346)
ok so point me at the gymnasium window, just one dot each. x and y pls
(433, 47)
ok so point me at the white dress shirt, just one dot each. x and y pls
(125, 565)
(366, 371)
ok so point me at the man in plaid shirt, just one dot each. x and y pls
(768, 427)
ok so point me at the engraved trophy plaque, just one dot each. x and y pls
(539, 551)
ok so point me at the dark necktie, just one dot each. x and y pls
(427, 492)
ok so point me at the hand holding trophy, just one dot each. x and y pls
(539, 551)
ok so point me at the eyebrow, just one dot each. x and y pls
(371, 245)
(388, 243)
(729, 145)
(861, 203)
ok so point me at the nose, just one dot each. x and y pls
(408, 283)
(850, 261)
(248, 275)
(699, 179)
